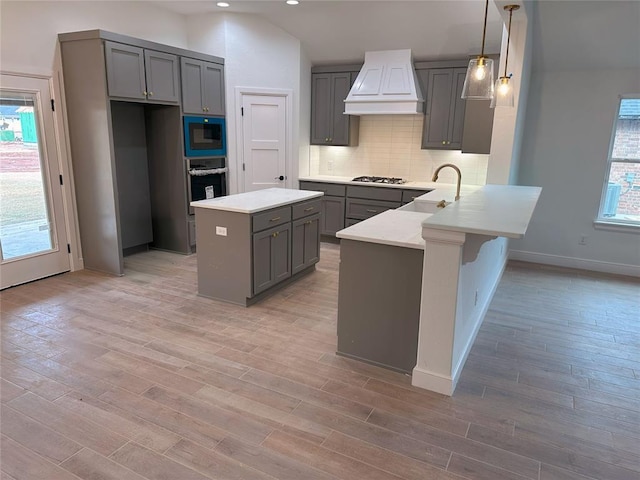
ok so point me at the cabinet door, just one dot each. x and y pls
(192, 89)
(162, 77)
(321, 108)
(332, 215)
(271, 257)
(262, 269)
(436, 122)
(281, 253)
(341, 84)
(125, 71)
(305, 243)
(456, 113)
(213, 88)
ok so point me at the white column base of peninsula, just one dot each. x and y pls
(463, 262)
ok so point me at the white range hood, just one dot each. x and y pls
(386, 85)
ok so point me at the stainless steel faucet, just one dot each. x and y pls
(435, 176)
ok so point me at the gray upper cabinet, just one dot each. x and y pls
(139, 74)
(445, 109)
(329, 124)
(202, 87)
(161, 71)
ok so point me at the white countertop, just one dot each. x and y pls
(392, 227)
(257, 201)
(495, 210)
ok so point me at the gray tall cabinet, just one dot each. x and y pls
(124, 109)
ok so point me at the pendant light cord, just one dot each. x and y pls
(484, 30)
(506, 57)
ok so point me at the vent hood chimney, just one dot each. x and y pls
(386, 85)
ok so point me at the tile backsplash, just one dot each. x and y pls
(390, 147)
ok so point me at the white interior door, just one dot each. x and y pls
(264, 121)
(33, 236)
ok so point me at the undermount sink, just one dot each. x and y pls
(422, 206)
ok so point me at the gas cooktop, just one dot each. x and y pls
(389, 180)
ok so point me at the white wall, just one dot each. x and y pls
(569, 120)
(257, 55)
(29, 30)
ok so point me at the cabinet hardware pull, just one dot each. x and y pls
(144, 93)
(309, 222)
(274, 235)
(150, 93)
(444, 142)
(275, 219)
(308, 209)
(372, 211)
(326, 139)
(448, 143)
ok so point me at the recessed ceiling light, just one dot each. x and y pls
(222, 4)
(292, 2)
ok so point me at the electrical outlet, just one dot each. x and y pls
(583, 239)
(222, 231)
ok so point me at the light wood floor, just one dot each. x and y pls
(138, 378)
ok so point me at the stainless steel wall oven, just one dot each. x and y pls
(206, 178)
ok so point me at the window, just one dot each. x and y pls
(620, 204)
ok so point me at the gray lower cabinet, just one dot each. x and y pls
(203, 87)
(345, 205)
(140, 74)
(271, 257)
(305, 249)
(332, 205)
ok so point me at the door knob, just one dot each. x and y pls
(281, 177)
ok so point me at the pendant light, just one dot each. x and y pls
(478, 83)
(503, 96)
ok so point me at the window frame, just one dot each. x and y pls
(606, 223)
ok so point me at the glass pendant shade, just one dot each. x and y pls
(503, 95)
(478, 83)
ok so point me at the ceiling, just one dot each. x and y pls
(333, 31)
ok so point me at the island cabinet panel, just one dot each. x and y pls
(379, 304)
(139, 74)
(202, 87)
(305, 243)
(271, 257)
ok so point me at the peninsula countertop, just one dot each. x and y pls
(392, 227)
(257, 201)
(494, 210)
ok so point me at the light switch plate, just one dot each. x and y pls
(222, 231)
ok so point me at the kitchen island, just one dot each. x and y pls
(251, 243)
(464, 256)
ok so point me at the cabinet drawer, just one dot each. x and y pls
(351, 221)
(305, 209)
(332, 189)
(270, 218)
(361, 209)
(375, 193)
(410, 195)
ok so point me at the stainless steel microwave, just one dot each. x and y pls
(205, 137)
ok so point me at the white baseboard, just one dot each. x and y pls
(579, 263)
(432, 381)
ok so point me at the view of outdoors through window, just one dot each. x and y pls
(24, 216)
(621, 202)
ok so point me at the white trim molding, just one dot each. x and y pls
(578, 263)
